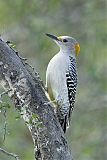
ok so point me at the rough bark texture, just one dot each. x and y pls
(28, 95)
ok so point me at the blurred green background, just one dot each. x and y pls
(24, 22)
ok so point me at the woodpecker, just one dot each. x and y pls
(61, 78)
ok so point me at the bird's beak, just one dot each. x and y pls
(77, 49)
(52, 36)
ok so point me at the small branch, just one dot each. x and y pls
(4, 93)
(12, 46)
(5, 124)
(4, 109)
(9, 154)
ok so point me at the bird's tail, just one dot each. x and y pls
(63, 117)
(64, 123)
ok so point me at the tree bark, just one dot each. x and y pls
(27, 93)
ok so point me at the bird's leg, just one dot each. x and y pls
(58, 100)
(50, 102)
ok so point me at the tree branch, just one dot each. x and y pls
(9, 154)
(28, 95)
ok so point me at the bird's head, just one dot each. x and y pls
(66, 44)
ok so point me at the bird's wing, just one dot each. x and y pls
(71, 81)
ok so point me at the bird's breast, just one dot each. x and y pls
(56, 75)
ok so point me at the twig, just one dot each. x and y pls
(29, 66)
(9, 154)
(11, 45)
(5, 124)
(4, 114)
(23, 59)
(3, 93)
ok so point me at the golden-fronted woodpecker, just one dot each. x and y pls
(61, 78)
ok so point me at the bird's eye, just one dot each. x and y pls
(65, 40)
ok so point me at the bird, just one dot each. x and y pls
(61, 78)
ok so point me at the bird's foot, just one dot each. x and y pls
(50, 102)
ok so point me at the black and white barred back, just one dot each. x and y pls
(71, 79)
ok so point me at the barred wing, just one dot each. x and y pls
(71, 81)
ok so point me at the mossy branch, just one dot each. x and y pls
(28, 95)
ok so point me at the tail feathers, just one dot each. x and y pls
(64, 123)
(69, 116)
(69, 119)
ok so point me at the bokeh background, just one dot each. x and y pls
(24, 22)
